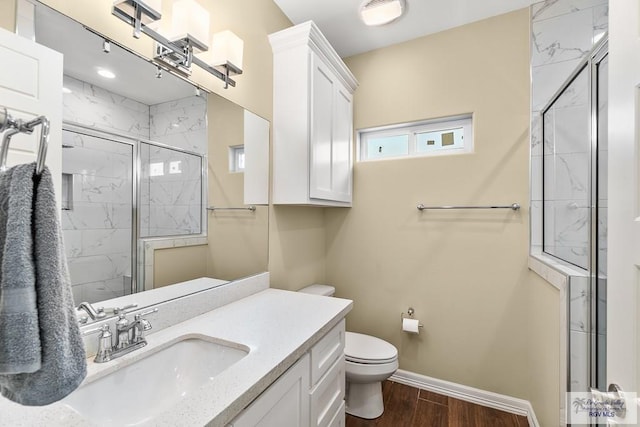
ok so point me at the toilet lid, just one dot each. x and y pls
(362, 348)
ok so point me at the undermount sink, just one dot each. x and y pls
(135, 394)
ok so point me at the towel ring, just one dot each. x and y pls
(18, 126)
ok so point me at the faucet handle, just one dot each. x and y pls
(146, 313)
(119, 310)
(144, 325)
(104, 343)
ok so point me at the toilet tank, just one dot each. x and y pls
(324, 290)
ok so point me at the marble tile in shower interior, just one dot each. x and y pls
(178, 104)
(546, 81)
(536, 178)
(106, 241)
(552, 8)
(97, 268)
(579, 302)
(178, 121)
(195, 140)
(548, 122)
(98, 189)
(72, 243)
(579, 361)
(175, 219)
(576, 255)
(571, 223)
(536, 134)
(99, 108)
(566, 177)
(98, 145)
(188, 192)
(572, 133)
(549, 48)
(600, 21)
(89, 216)
(83, 161)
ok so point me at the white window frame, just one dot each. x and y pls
(464, 121)
(234, 158)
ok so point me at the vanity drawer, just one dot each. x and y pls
(327, 351)
(339, 419)
(328, 396)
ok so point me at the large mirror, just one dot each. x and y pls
(145, 154)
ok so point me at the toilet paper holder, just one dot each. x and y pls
(409, 315)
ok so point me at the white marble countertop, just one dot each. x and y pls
(277, 326)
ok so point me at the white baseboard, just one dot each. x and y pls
(469, 394)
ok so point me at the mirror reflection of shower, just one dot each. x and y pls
(134, 150)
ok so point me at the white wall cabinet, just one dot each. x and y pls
(309, 394)
(312, 120)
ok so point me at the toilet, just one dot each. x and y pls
(369, 361)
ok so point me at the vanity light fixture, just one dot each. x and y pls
(188, 34)
(380, 12)
(225, 54)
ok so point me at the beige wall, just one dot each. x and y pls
(179, 264)
(238, 240)
(464, 272)
(8, 15)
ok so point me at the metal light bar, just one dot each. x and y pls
(513, 206)
(177, 55)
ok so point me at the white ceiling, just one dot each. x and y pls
(339, 21)
(83, 55)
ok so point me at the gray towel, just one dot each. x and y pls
(19, 334)
(63, 356)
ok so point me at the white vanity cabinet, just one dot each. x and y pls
(312, 120)
(309, 394)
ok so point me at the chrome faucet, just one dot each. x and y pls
(129, 336)
(100, 312)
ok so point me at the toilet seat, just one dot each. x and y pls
(368, 350)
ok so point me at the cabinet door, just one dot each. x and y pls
(342, 144)
(284, 404)
(330, 162)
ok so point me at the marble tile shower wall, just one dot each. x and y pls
(97, 231)
(563, 32)
(97, 224)
(93, 106)
(171, 194)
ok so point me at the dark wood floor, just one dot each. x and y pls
(406, 406)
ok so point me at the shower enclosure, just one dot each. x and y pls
(575, 211)
(117, 190)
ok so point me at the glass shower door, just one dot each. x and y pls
(98, 215)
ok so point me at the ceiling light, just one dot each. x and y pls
(66, 90)
(106, 73)
(380, 12)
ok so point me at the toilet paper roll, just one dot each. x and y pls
(411, 325)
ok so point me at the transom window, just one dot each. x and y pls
(450, 135)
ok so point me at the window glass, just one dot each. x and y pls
(388, 146)
(449, 135)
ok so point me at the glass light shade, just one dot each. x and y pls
(190, 20)
(382, 13)
(150, 8)
(225, 47)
